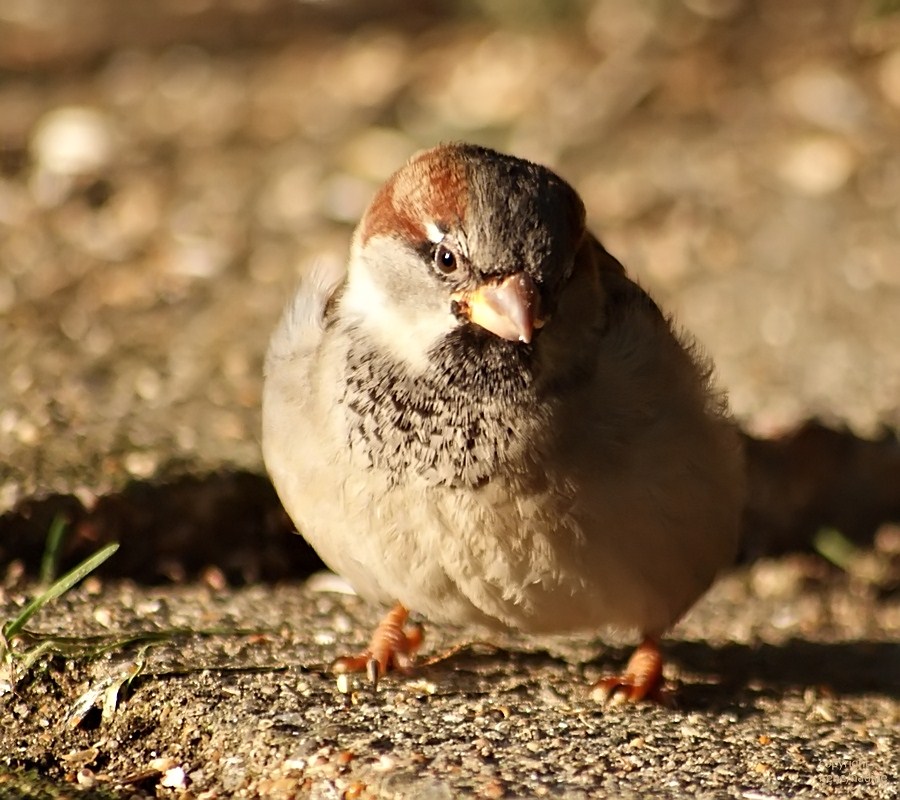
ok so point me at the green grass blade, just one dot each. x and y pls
(59, 587)
(50, 559)
(832, 545)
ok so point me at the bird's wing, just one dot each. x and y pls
(304, 319)
(602, 259)
(621, 294)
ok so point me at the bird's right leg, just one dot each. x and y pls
(393, 646)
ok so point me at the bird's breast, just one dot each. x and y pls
(473, 414)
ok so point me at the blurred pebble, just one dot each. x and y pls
(8, 421)
(74, 323)
(185, 72)
(161, 764)
(366, 71)
(197, 257)
(614, 24)
(85, 778)
(714, 9)
(14, 205)
(227, 425)
(21, 105)
(823, 96)
(7, 293)
(103, 616)
(826, 373)
(489, 84)
(193, 97)
(288, 198)
(375, 153)
(617, 195)
(27, 432)
(186, 438)
(858, 272)
(214, 578)
(777, 325)
(127, 77)
(136, 211)
(817, 165)
(141, 465)
(73, 140)
(148, 384)
(344, 197)
(776, 579)
(889, 77)
(879, 182)
(21, 378)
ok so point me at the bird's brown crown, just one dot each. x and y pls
(431, 187)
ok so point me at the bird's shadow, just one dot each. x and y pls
(719, 676)
(855, 667)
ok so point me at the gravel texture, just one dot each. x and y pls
(167, 173)
(158, 203)
(788, 675)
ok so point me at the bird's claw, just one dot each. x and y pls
(642, 680)
(372, 672)
(393, 647)
(618, 691)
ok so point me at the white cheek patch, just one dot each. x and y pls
(405, 331)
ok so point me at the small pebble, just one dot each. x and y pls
(889, 77)
(817, 166)
(823, 96)
(73, 140)
(86, 778)
(173, 778)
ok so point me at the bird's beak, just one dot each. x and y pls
(509, 308)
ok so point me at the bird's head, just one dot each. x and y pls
(462, 236)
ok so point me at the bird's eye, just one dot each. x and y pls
(445, 259)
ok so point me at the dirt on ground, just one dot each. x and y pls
(168, 171)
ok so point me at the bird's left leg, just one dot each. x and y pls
(642, 678)
(393, 646)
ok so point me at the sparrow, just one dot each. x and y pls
(484, 420)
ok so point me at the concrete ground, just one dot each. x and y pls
(168, 171)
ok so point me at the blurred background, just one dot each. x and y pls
(168, 170)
